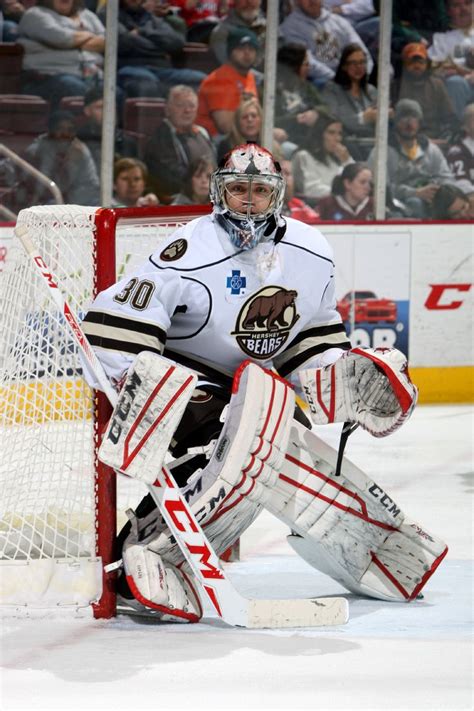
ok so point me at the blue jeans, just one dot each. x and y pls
(460, 91)
(53, 88)
(155, 81)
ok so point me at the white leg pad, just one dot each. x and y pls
(347, 526)
(149, 409)
(159, 586)
(229, 493)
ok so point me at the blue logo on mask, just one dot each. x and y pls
(236, 283)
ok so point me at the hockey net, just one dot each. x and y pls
(59, 505)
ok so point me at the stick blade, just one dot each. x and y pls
(315, 612)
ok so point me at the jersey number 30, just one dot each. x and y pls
(138, 293)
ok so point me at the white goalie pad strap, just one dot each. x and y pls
(228, 493)
(159, 586)
(348, 527)
(149, 409)
(370, 386)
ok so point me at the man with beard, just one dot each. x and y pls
(224, 88)
(246, 14)
(416, 167)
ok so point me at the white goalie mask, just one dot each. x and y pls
(247, 192)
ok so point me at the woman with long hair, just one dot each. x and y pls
(315, 169)
(195, 189)
(246, 126)
(350, 197)
(350, 96)
(298, 103)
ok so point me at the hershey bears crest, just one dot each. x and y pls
(265, 320)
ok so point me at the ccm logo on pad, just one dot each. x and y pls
(438, 300)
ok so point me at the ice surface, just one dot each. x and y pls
(389, 656)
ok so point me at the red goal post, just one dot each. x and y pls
(59, 504)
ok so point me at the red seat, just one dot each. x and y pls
(74, 104)
(142, 115)
(196, 55)
(23, 113)
(11, 60)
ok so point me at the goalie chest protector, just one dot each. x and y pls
(220, 305)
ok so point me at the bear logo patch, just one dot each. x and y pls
(174, 251)
(265, 320)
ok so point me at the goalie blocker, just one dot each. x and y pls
(347, 527)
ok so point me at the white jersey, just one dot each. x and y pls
(202, 302)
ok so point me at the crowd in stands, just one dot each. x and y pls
(325, 104)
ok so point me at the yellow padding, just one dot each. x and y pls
(42, 401)
(453, 384)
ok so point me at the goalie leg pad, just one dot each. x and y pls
(150, 406)
(370, 386)
(151, 582)
(228, 494)
(157, 585)
(348, 527)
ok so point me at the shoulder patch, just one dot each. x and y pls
(174, 251)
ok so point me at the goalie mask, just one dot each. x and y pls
(247, 192)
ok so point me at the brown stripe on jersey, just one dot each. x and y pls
(201, 368)
(111, 344)
(318, 332)
(121, 333)
(310, 343)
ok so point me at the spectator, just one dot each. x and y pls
(324, 33)
(176, 143)
(165, 10)
(450, 203)
(223, 89)
(11, 11)
(201, 17)
(452, 54)
(246, 126)
(146, 44)
(460, 155)
(61, 156)
(196, 183)
(351, 98)
(350, 197)
(298, 103)
(64, 47)
(416, 167)
(293, 206)
(315, 169)
(353, 10)
(411, 22)
(418, 83)
(245, 14)
(90, 130)
(130, 177)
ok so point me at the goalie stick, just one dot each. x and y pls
(233, 608)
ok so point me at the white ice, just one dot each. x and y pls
(389, 656)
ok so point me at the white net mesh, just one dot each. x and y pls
(46, 427)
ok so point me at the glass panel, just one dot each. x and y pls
(51, 109)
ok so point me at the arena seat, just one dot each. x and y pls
(142, 115)
(74, 104)
(11, 60)
(196, 55)
(22, 118)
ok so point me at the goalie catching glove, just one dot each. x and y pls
(367, 386)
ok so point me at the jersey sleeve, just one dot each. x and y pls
(131, 316)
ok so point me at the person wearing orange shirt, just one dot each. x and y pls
(223, 89)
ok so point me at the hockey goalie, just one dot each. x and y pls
(209, 342)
